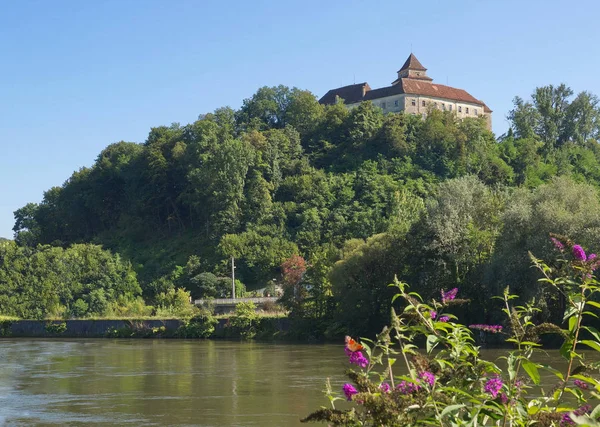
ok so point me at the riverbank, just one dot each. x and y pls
(265, 328)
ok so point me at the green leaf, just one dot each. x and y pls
(565, 349)
(432, 341)
(572, 323)
(532, 370)
(593, 331)
(554, 371)
(451, 408)
(592, 344)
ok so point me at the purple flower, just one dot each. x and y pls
(493, 386)
(444, 319)
(581, 384)
(384, 387)
(592, 257)
(557, 244)
(357, 358)
(433, 314)
(504, 398)
(566, 419)
(406, 387)
(428, 377)
(494, 329)
(349, 390)
(579, 253)
(449, 296)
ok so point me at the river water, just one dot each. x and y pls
(166, 382)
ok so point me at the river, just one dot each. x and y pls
(165, 382)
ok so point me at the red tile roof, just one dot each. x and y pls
(412, 63)
(416, 87)
(350, 94)
(354, 93)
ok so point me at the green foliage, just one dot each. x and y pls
(136, 329)
(244, 320)
(55, 328)
(82, 280)
(452, 384)
(563, 207)
(175, 303)
(200, 326)
(437, 200)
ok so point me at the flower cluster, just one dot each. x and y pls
(407, 387)
(385, 387)
(557, 244)
(579, 253)
(433, 315)
(449, 296)
(493, 386)
(494, 329)
(356, 358)
(349, 390)
(566, 419)
(581, 384)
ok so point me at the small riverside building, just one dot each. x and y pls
(413, 92)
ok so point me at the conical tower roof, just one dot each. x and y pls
(412, 63)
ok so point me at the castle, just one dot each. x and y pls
(414, 93)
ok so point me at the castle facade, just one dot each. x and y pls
(414, 93)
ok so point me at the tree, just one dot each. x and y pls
(561, 206)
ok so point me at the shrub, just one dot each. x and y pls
(244, 320)
(450, 384)
(200, 326)
(55, 328)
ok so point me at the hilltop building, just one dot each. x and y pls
(413, 92)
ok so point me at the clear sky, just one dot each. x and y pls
(78, 75)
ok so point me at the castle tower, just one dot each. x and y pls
(412, 69)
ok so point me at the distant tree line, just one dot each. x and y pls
(359, 195)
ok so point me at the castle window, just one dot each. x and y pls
(460, 109)
(423, 103)
(467, 110)
(450, 106)
(396, 103)
(475, 111)
(413, 102)
(444, 107)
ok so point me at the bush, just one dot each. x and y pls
(244, 320)
(199, 326)
(55, 328)
(450, 384)
(176, 303)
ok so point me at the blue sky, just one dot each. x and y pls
(76, 76)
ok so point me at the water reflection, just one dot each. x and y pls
(170, 382)
(161, 382)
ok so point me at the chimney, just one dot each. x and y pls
(365, 89)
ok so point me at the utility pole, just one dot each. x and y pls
(232, 278)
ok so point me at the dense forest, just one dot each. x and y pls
(349, 198)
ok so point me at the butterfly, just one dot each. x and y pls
(352, 344)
